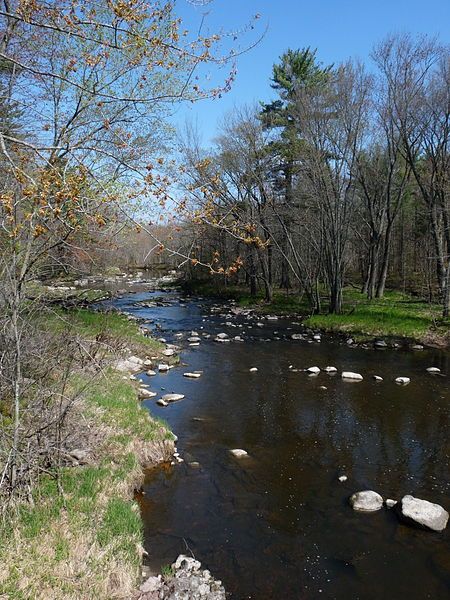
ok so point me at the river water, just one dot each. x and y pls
(277, 524)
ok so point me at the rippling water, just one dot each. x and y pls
(277, 524)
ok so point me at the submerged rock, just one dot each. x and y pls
(366, 501)
(423, 513)
(349, 375)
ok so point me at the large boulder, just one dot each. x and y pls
(366, 501)
(423, 513)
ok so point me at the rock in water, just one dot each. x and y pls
(253, 369)
(163, 367)
(352, 376)
(402, 380)
(172, 397)
(433, 370)
(144, 393)
(192, 375)
(330, 370)
(377, 378)
(238, 453)
(313, 370)
(423, 513)
(366, 501)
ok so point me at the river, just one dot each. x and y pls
(277, 524)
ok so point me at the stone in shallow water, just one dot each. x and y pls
(163, 367)
(433, 370)
(377, 378)
(350, 376)
(402, 380)
(366, 501)
(313, 370)
(330, 370)
(390, 503)
(238, 452)
(144, 393)
(192, 375)
(421, 512)
(172, 397)
(253, 369)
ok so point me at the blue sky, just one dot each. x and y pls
(339, 29)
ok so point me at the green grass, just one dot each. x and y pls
(82, 536)
(397, 315)
(92, 324)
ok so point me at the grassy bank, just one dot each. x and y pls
(396, 315)
(81, 535)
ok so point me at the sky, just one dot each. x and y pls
(339, 29)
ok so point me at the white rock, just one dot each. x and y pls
(238, 452)
(162, 402)
(343, 478)
(151, 373)
(222, 336)
(377, 378)
(366, 501)
(253, 369)
(172, 397)
(352, 376)
(163, 367)
(390, 503)
(193, 338)
(330, 370)
(433, 370)
(194, 344)
(169, 352)
(152, 584)
(402, 380)
(424, 513)
(313, 370)
(192, 375)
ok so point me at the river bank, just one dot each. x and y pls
(398, 317)
(80, 533)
